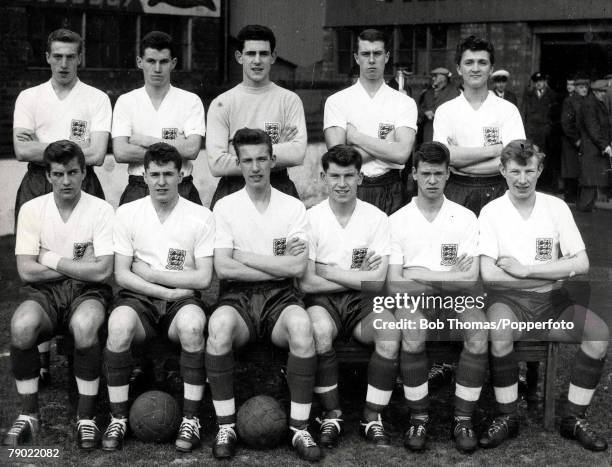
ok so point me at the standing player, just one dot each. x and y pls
(522, 236)
(64, 253)
(163, 256)
(62, 108)
(257, 102)
(379, 121)
(154, 113)
(349, 245)
(434, 257)
(260, 248)
(474, 126)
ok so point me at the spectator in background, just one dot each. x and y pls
(577, 89)
(595, 135)
(441, 91)
(399, 82)
(539, 108)
(500, 83)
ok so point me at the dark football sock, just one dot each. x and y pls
(469, 379)
(326, 377)
(118, 368)
(381, 379)
(220, 370)
(300, 379)
(414, 368)
(586, 372)
(193, 373)
(505, 373)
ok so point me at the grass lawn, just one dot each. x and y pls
(532, 447)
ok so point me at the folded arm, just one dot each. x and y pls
(196, 279)
(229, 268)
(396, 149)
(496, 277)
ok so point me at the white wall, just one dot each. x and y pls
(113, 178)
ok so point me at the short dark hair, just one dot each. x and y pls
(520, 151)
(162, 153)
(157, 40)
(62, 152)
(342, 155)
(432, 152)
(372, 35)
(256, 32)
(64, 35)
(474, 44)
(251, 137)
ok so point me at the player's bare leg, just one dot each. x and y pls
(28, 324)
(293, 330)
(84, 326)
(226, 330)
(382, 370)
(586, 372)
(124, 328)
(188, 328)
(326, 379)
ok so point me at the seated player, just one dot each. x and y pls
(64, 249)
(433, 255)
(163, 256)
(528, 244)
(349, 246)
(260, 248)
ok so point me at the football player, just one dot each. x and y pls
(154, 113)
(433, 255)
(64, 253)
(377, 120)
(163, 257)
(260, 248)
(256, 102)
(349, 250)
(528, 244)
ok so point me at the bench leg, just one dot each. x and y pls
(549, 386)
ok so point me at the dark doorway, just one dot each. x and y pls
(564, 54)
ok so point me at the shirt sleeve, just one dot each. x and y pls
(397, 253)
(570, 239)
(298, 226)
(122, 122)
(27, 240)
(381, 242)
(195, 121)
(102, 113)
(312, 239)
(487, 240)
(442, 125)
(469, 241)
(223, 230)
(23, 117)
(218, 135)
(103, 242)
(408, 114)
(294, 116)
(513, 125)
(205, 243)
(122, 237)
(333, 114)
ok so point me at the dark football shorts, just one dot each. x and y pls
(279, 179)
(387, 192)
(474, 192)
(260, 304)
(537, 307)
(35, 184)
(59, 299)
(347, 309)
(138, 189)
(155, 314)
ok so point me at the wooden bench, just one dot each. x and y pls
(546, 352)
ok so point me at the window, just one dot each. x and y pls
(416, 52)
(111, 39)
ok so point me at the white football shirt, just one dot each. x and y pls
(345, 247)
(373, 116)
(241, 226)
(181, 112)
(186, 234)
(83, 111)
(40, 225)
(433, 245)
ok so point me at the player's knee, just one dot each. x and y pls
(121, 330)
(299, 330)
(190, 327)
(387, 348)
(477, 344)
(323, 331)
(413, 340)
(84, 330)
(500, 348)
(595, 349)
(24, 330)
(221, 328)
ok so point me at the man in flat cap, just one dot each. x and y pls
(500, 83)
(540, 108)
(441, 91)
(570, 140)
(595, 136)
